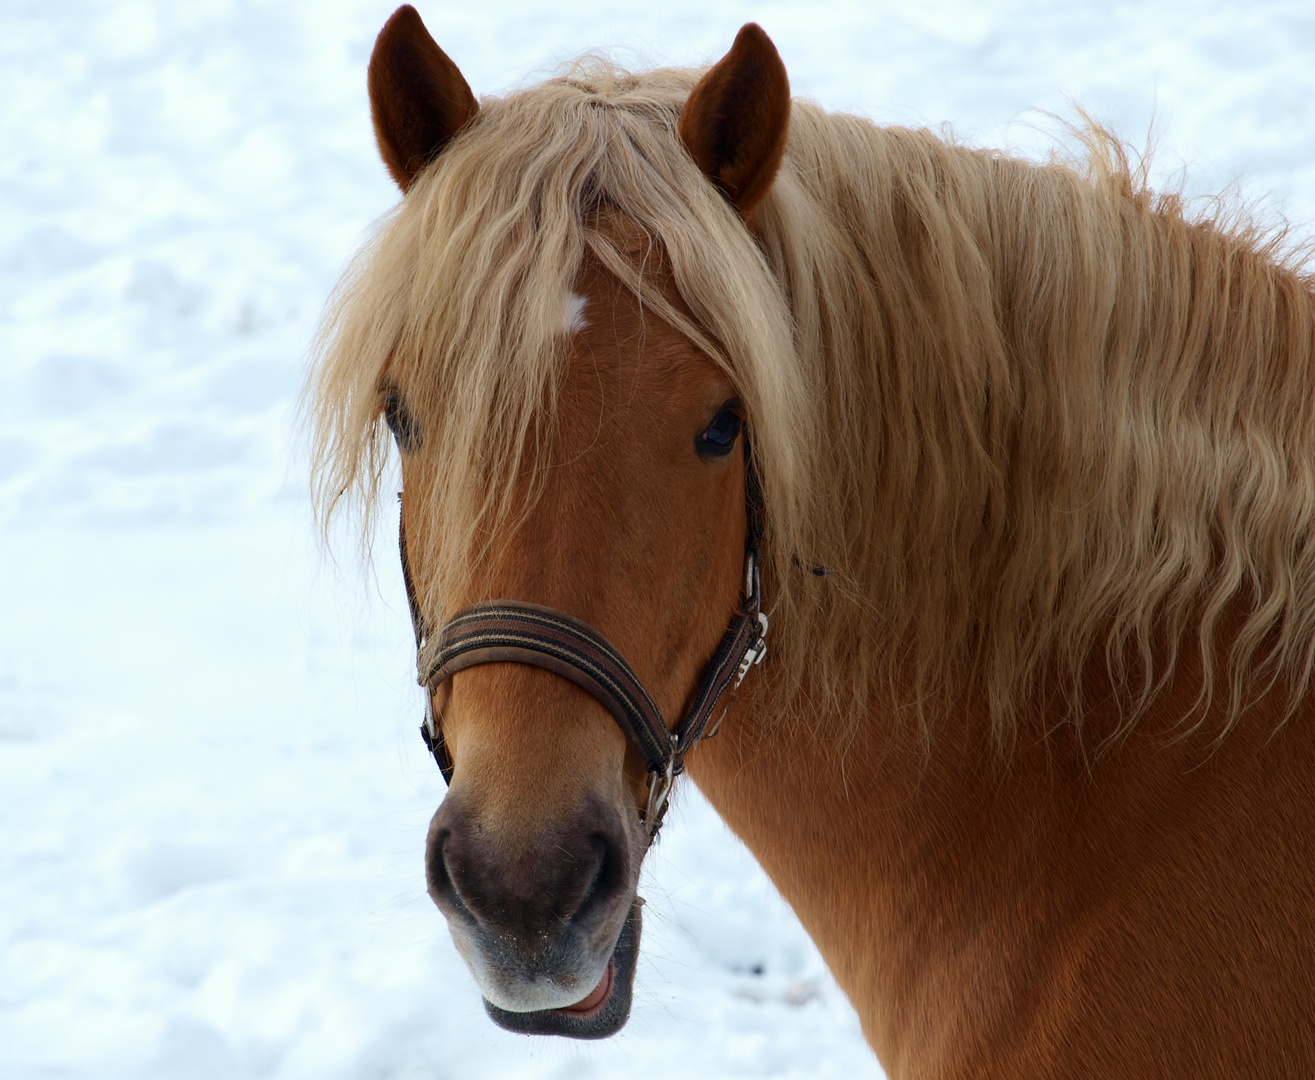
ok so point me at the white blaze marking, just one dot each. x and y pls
(575, 320)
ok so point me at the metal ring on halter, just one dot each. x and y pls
(659, 789)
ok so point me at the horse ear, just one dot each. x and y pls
(418, 97)
(737, 118)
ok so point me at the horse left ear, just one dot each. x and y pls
(736, 120)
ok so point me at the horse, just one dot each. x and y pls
(1006, 467)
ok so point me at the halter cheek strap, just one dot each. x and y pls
(513, 631)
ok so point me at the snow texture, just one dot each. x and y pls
(212, 796)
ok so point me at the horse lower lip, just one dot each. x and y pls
(608, 1016)
(597, 997)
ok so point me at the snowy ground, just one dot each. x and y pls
(212, 798)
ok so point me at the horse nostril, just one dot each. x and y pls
(438, 877)
(608, 880)
(575, 875)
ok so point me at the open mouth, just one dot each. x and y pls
(600, 1014)
(597, 997)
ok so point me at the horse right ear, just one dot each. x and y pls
(736, 119)
(418, 97)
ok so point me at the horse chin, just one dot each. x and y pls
(604, 1018)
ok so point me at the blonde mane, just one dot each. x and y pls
(1029, 414)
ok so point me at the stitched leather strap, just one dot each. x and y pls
(745, 634)
(512, 631)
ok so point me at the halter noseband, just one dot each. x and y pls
(512, 631)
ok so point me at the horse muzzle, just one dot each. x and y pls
(548, 928)
(602, 1017)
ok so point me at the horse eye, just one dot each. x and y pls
(718, 438)
(400, 421)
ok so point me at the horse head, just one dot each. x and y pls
(625, 511)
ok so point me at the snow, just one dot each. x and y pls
(212, 795)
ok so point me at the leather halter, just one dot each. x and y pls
(513, 631)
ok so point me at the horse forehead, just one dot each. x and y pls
(652, 374)
(619, 341)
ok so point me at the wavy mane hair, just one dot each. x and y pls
(1030, 414)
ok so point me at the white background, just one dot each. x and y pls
(212, 796)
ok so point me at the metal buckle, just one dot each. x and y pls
(752, 576)
(755, 653)
(659, 788)
(429, 726)
(431, 732)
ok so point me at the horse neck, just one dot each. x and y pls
(1099, 409)
(949, 889)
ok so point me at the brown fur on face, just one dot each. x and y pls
(628, 503)
(534, 855)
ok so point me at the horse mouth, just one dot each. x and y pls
(592, 1004)
(603, 1012)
